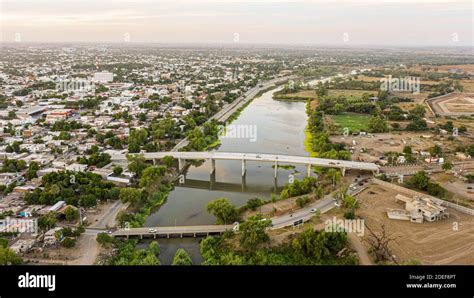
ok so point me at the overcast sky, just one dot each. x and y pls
(399, 23)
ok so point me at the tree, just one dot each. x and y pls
(318, 246)
(254, 203)
(104, 239)
(118, 170)
(223, 210)
(182, 258)
(302, 201)
(447, 166)
(252, 231)
(130, 194)
(151, 174)
(47, 221)
(136, 163)
(380, 244)
(420, 180)
(68, 242)
(32, 170)
(377, 124)
(335, 176)
(168, 161)
(154, 248)
(71, 213)
(436, 150)
(9, 257)
(407, 149)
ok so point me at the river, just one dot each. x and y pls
(279, 128)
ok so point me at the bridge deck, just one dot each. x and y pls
(330, 163)
(175, 230)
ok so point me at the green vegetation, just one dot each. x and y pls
(71, 213)
(95, 159)
(9, 257)
(319, 140)
(421, 181)
(223, 210)
(181, 258)
(76, 188)
(354, 122)
(153, 190)
(254, 203)
(201, 140)
(308, 248)
(127, 254)
(298, 187)
(13, 165)
(252, 231)
(47, 221)
(104, 239)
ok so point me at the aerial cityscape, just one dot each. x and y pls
(127, 144)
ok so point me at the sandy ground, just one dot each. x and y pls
(86, 249)
(454, 104)
(395, 141)
(437, 243)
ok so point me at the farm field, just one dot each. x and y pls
(355, 122)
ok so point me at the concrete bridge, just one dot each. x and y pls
(180, 231)
(276, 159)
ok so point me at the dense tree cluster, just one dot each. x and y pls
(320, 143)
(421, 181)
(309, 248)
(76, 188)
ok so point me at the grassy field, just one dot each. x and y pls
(354, 94)
(300, 95)
(355, 122)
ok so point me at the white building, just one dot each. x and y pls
(103, 77)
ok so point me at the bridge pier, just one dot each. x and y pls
(309, 170)
(276, 170)
(213, 166)
(244, 167)
(343, 171)
(155, 161)
(181, 164)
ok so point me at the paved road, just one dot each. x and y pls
(108, 219)
(324, 205)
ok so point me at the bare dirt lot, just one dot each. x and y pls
(380, 143)
(385, 142)
(436, 243)
(455, 104)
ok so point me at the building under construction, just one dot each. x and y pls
(417, 210)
